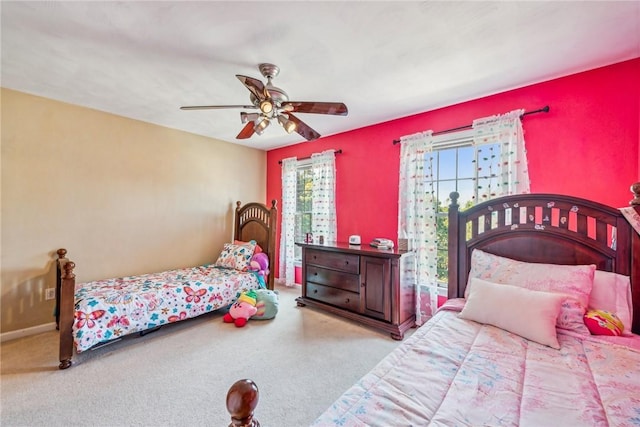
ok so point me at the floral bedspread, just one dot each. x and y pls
(455, 372)
(109, 309)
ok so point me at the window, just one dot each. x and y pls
(304, 201)
(308, 206)
(453, 162)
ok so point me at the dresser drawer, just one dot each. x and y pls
(336, 279)
(343, 299)
(348, 263)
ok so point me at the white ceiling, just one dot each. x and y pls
(384, 60)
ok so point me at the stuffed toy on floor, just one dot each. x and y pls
(266, 303)
(242, 310)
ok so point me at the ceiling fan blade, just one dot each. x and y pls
(335, 108)
(246, 131)
(255, 86)
(215, 107)
(303, 129)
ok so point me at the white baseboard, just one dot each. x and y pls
(6, 336)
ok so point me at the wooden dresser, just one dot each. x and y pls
(371, 286)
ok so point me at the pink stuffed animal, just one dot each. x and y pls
(242, 309)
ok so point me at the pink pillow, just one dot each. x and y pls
(530, 314)
(612, 292)
(573, 281)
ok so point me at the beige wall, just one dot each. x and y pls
(122, 196)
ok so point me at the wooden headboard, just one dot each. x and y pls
(544, 228)
(255, 221)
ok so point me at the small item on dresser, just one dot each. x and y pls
(381, 243)
(354, 239)
(321, 240)
(308, 238)
(403, 245)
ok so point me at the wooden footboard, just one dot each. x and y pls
(242, 399)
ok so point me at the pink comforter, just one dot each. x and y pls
(455, 372)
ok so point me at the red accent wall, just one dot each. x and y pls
(586, 146)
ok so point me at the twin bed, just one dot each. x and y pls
(98, 312)
(510, 346)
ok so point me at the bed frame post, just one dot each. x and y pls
(67, 296)
(453, 291)
(635, 278)
(62, 253)
(635, 189)
(242, 399)
(635, 261)
(273, 226)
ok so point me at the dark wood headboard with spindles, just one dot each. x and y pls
(546, 228)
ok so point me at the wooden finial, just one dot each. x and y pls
(274, 203)
(242, 399)
(454, 197)
(68, 270)
(635, 189)
(238, 204)
(62, 252)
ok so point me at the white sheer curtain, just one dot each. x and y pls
(417, 218)
(323, 208)
(287, 228)
(502, 156)
(500, 167)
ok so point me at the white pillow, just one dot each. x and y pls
(612, 292)
(530, 314)
(573, 281)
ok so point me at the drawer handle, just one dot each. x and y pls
(315, 291)
(346, 301)
(346, 262)
(315, 274)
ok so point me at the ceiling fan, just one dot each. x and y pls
(274, 104)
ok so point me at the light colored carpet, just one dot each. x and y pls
(301, 361)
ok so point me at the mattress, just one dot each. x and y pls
(456, 372)
(109, 309)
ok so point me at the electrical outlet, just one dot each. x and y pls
(50, 293)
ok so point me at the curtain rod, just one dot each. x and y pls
(307, 158)
(544, 109)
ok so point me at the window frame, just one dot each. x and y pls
(450, 141)
(301, 165)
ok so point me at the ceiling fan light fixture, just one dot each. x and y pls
(266, 106)
(261, 126)
(287, 124)
(248, 117)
